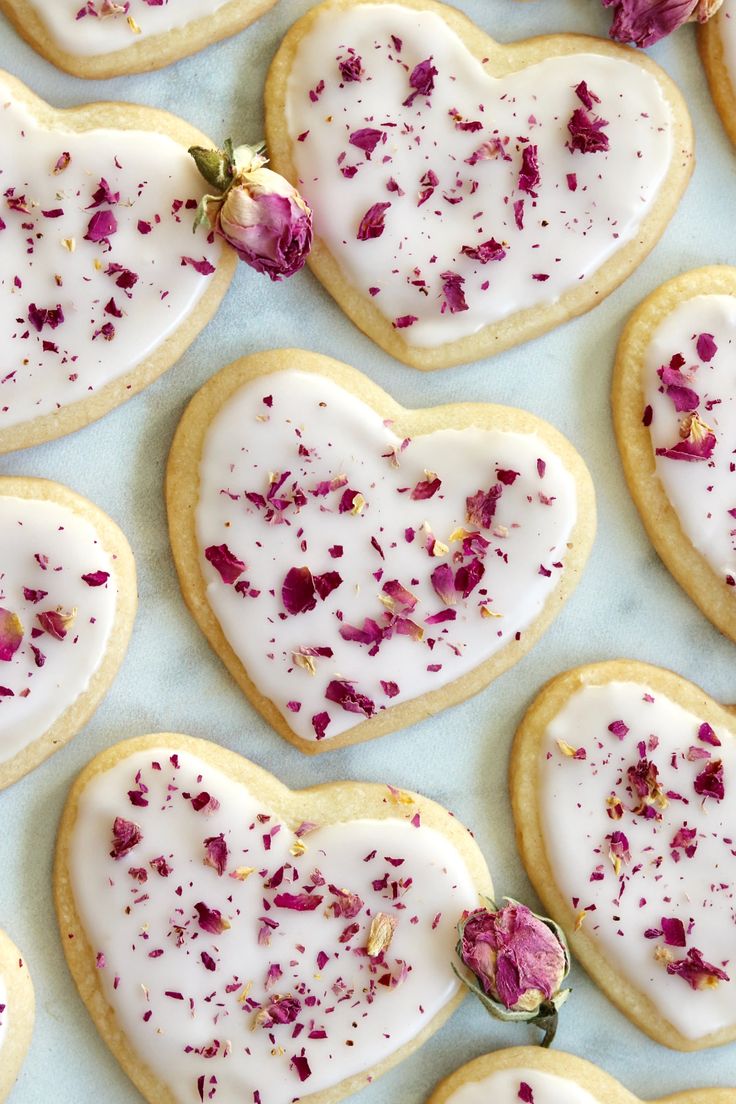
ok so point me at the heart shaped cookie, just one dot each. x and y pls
(622, 783)
(102, 285)
(232, 938)
(459, 209)
(358, 566)
(67, 605)
(104, 38)
(548, 1077)
(16, 1013)
(717, 41)
(674, 407)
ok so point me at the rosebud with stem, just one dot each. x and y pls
(517, 961)
(258, 212)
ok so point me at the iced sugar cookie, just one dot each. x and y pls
(459, 208)
(674, 405)
(102, 284)
(16, 1013)
(235, 940)
(358, 566)
(535, 1076)
(717, 41)
(67, 604)
(622, 782)
(107, 38)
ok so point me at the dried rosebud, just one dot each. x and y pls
(259, 213)
(518, 961)
(645, 22)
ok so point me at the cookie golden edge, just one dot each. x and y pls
(113, 540)
(723, 93)
(21, 1005)
(118, 116)
(503, 60)
(182, 495)
(689, 567)
(142, 56)
(605, 1088)
(328, 803)
(524, 790)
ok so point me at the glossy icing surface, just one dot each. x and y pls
(221, 985)
(298, 473)
(453, 169)
(511, 1086)
(77, 313)
(103, 26)
(701, 490)
(47, 549)
(659, 902)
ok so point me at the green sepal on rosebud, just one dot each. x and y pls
(258, 212)
(517, 962)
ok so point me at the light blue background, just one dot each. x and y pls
(626, 605)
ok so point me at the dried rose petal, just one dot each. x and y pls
(211, 920)
(325, 584)
(281, 1010)
(346, 904)
(297, 591)
(443, 582)
(452, 289)
(343, 693)
(11, 634)
(481, 507)
(707, 735)
(709, 783)
(367, 139)
(421, 80)
(96, 578)
(102, 226)
(298, 902)
(618, 850)
(216, 853)
(125, 836)
(698, 441)
(372, 223)
(706, 347)
(698, 973)
(56, 622)
(529, 174)
(490, 250)
(586, 132)
(677, 387)
(224, 561)
(673, 931)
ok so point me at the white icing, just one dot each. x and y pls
(31, 527)
(36, 268)
(503, 1087)
(248, 440)
(698, 890)
(702, 492)
(727, 31)
(4, 1011)
(126, 921)
(567, 234)
(103, 34)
